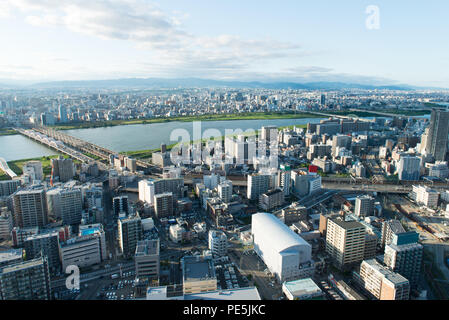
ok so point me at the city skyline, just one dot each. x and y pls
(297, 42)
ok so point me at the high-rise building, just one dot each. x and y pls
(218, 243)
(120, 205)
(364, 206)
(174, 186)
(382, 283)
(146, 191)
(65, 203)
(6, 223)
(271, 199)
(269, 133)
(225, 191)
(257, 185)
(8, 187)
(45, 244)
(147, 260)
(408, 168)
(63, 169)
(426, 196)
(323, 100)
(404, 256)
(285, 179)
(28, 280)
(163, 204)
(345, 242)
(30, 208)
(341, 141)
(389, 229)
(437, 137)
(34, 169)
(129, 233)
(62, 113)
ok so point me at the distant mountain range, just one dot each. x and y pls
(161, 83)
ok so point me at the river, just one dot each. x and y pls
(137, 136)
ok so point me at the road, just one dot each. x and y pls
(4, 166)
(84, 277)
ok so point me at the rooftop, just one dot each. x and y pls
(197, 268)
(147, 247)
(302, 287)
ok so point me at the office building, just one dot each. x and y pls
(218, 243)
(30, 208)
(198, 274)
(345, 242)
(285, 253)
(129, 233)
(28, 280)
(147, 260)
(85, 250)
(404, 255)
(437, 137)
(409, 168)
(382, 283)
(364, 206)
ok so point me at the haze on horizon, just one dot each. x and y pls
(298, 41)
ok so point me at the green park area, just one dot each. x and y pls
(17, 165)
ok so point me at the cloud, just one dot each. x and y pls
(172, 51)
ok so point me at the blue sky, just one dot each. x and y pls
(301, 41)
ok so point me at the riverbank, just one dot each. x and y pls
(210, 117)
(17, 165)
(237, 116)
(146, 154)
(8, 132)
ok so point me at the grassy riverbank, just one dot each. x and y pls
(210, 117)
(7, 132)
(17, 165)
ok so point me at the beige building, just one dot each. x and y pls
(147, 259)
(198, 274)
(345, 242)
(381, 282)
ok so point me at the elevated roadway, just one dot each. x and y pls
(4, 166)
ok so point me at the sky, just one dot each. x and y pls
(400, 42)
